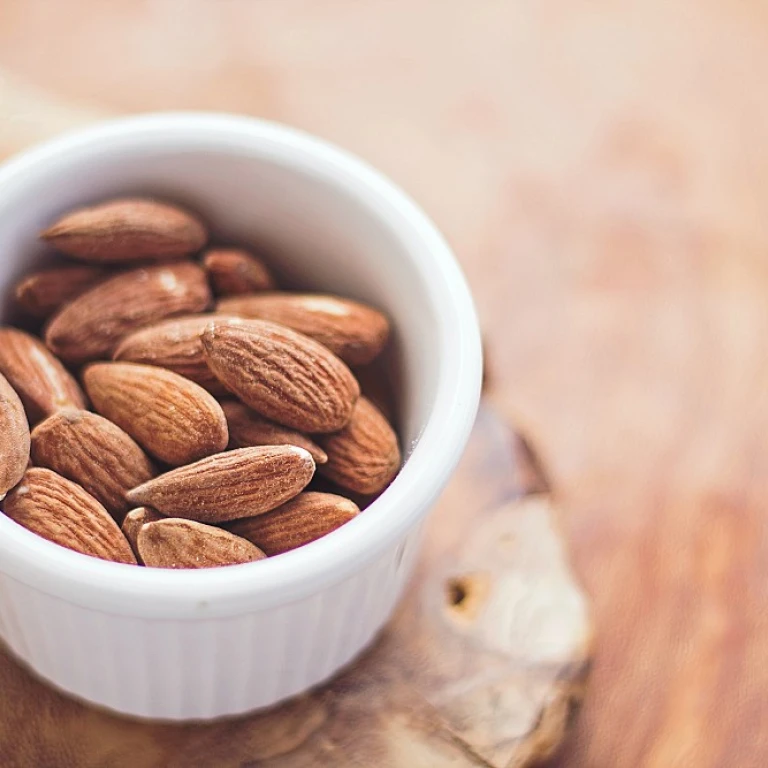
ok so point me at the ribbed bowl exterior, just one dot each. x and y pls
(208, 667)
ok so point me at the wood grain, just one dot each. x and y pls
(602, 174)
(483, 665)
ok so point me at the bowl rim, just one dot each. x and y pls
(178, 594)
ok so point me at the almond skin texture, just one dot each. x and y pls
(62, 512)
(14, 438)
(40, 380)
(172, 418)
(247, 429)
(354, 332)
(132, 524)
(306, 518)
(43, 293)
(364, 456)
(91, 326)
(174, 344)
(175, 543)
(127, 230)
(233, 271)
(241, 483)
(87, 449)
(283, 375)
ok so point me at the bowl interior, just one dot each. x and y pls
(315, 229)
(327, 222)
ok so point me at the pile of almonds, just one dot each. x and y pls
(179, 403)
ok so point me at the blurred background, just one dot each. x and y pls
(601, 171)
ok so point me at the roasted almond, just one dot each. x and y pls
(176, 543)
(353, 331)
(233, 271)
(90, 327)
(239, 483)
(174, 344)
(125, 230)
(92, 451)
(247, 429)
(364, 456)
(14, 438)
(281, 374)
(62, 512)
(40, 380)
(172, 418)
(133, 522)
(43, 293)
(297, 522)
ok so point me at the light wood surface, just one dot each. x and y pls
(601, 170)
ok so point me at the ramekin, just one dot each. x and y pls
(179, 645)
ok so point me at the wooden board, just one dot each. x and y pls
(600, 169)
(482, 666)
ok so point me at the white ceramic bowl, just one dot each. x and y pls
(201, 644)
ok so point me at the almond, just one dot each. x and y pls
(281, 374)
(62, 512)
(87, 449)
(40, 380)
(353, 331)
(247, 429)
(172, 418)
(176, 345)
(125, 230)
(306, 518)
(90, 327)
(14, 438)
(240, 483)
(175, 543)
(364, 456)
(43, 293)
(133, 522)
(233, 271)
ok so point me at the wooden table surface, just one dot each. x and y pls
(602, 172)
